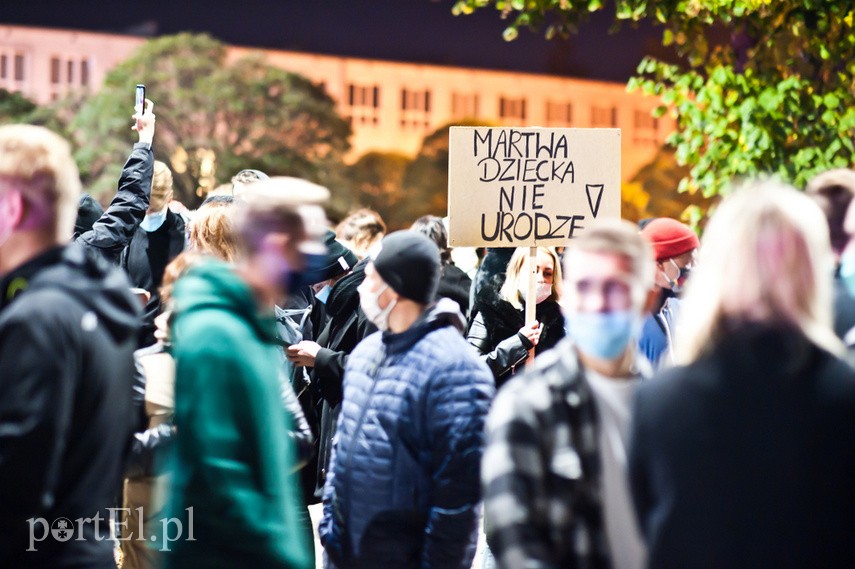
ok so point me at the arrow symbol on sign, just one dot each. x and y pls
(595, 208)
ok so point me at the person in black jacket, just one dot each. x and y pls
(345, 327)
(499, 331)
(743, 455)
(113, 230)
(157, 240)
(453, 282)
(68, 325)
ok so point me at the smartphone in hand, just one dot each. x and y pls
(139, 100)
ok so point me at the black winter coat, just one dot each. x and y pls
(746, 457)
(346, 327)
(494, 331)
(144, 260)
(67, 334)
(114, 229)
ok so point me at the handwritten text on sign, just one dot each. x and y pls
(511, 187)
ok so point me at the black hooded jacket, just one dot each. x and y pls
(68, 327)
(494, 330)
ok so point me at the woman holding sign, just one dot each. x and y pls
(499, 331)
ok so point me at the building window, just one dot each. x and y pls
(4, 62)
(603, 116)
(84, 73)
(69, 72)
(19, 67)
(363, 104)
(54, 70)
(512, 109)
(646, 128)
(415, 108)
(559, 114)
(464, 105)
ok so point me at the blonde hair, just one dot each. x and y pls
(519, 259)
(360, 230)
(622, 239)
(212, 231)
(161, 186)
(38, 163)
(765, 257)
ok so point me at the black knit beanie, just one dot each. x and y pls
(409, 263)
(88, 212)
(339, 259)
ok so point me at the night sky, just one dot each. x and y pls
(422, 31)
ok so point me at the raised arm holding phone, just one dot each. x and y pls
(115, 227)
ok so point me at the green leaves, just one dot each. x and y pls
(763, 86)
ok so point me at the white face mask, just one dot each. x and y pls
(370, 304)
(542, 292)
(152, 221)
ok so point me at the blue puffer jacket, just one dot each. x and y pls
(404, 485)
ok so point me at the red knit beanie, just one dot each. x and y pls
(669, 238)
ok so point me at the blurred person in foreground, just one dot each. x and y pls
(68, 325)
(744, 455)
(403, 484)
(234, 459)
(556, 492)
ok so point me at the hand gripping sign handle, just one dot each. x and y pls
(531, 295)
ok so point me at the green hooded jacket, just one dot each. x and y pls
(233, 456)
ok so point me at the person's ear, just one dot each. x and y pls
(12, 208)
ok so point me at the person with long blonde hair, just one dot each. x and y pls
(744, 454)
(498, 328)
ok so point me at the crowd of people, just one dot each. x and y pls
(178, 387)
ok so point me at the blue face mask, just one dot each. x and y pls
(323, 294)
(603, 335)
(152, 221)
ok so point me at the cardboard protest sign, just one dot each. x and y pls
(516, 187)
